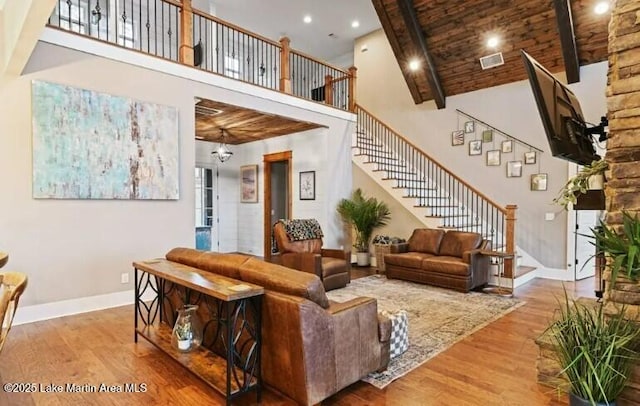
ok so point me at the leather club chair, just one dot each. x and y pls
(332, 266)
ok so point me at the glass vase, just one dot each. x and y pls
(187, 332)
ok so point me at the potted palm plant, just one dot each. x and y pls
(596, 351)
(365, 215)
(623, 248)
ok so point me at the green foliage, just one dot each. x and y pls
(624, 248)
(596, 351)
(365, 215)
(579, 184)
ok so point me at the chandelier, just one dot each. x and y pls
(223, 153)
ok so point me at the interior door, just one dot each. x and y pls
(277, 193)
(585, 264)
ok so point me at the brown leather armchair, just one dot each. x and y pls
(332, 266)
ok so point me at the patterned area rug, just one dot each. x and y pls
(438, 318)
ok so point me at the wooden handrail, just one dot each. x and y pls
(293, 51)
(476, 191)
(173, 2)
(340, 79)
(235, 27)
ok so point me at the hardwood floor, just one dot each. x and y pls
(496, 365)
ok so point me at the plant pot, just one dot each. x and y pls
(362, 258)
(183, 345)
(578, 401)
(596, 182)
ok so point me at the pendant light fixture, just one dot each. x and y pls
(223, 153)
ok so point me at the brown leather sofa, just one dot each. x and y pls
(311, 347)
(332, 266)
(449, 259)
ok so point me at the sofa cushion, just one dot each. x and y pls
(426, 240)
(284, 280)
(447, 265)
(455, 243)
(221, 264)
(333, 266)
(406, 259)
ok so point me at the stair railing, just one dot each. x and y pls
(459, 205)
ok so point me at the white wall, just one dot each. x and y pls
(510, 108)
(72, 248)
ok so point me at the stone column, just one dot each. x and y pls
(623, 150)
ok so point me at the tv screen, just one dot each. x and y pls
(561, 115)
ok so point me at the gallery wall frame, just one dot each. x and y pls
(249, 184)
(514, 169)
(475, 147)
(493, 157)
(308, 185)
(539, 182)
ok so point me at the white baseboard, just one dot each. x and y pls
(555, 274)
(46, 311)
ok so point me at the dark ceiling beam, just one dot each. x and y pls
(397, 50)
(567, 40)
(416, 33)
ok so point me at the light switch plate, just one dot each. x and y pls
(549, 216)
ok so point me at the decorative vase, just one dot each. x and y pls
(578, 401)
(596, 182)
(187, 331)
(362, 258)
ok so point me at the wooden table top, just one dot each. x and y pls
(4, 257)
(211, 284)
(498, 254)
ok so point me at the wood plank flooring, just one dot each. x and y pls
(496, 365)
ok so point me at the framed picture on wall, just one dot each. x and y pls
(514, 169)
(469, 127)
(475, 147)
(308, 185)
(539, 181)
(493, 157)
(457, 138)
(249, 185)
(507, 146)
(487, 136)
(530, 158)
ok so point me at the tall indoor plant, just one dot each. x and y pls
(365, 215)
(622, 247)
(596, 351)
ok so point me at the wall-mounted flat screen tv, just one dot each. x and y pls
(562, 118)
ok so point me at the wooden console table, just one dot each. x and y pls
(231, 375)
(500, 256)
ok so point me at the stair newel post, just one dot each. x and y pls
(285, 69)
(510, 236)
(186, 30)
(352, 88)
(328, 89)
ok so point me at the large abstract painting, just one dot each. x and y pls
(90, 145)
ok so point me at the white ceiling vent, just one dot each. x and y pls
(206, 111)
(491, 61)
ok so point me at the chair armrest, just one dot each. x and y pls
(303, 261)
(384, 328)
(333, 253)
(337, 307)
(400, 248)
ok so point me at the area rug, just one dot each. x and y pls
(438, 318)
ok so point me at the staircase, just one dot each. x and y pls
(436, 196)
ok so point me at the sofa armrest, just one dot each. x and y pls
(478, 265)
(359, 349)
(303, 261)
(400, 248)
(340, 254)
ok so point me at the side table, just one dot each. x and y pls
(500, 256)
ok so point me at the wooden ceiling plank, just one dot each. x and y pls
(420, 43)
(385, 21)
(567, 40)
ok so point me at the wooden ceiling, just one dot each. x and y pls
(449, 37)
(242, 125)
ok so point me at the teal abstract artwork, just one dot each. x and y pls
(91, 145)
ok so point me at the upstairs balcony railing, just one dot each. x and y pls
(173, 30)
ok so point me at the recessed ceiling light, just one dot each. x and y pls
(307, 19)
(601, 7)
(493, 42)
(355, 24)
(414, 65)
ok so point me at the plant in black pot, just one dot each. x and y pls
(596, 351)
(365, 215)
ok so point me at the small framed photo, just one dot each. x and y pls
(530, 158)
(457, 138)
(539, 181)
(493, 157)
(308, 185)
(514, 169)
(249, 186)
(507, 146)
(469, 127)
(487, 136)
(475, 147)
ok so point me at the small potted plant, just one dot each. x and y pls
(623, 248)
(184, 334)
(365, 215)
(588, 178)
(596, 352)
